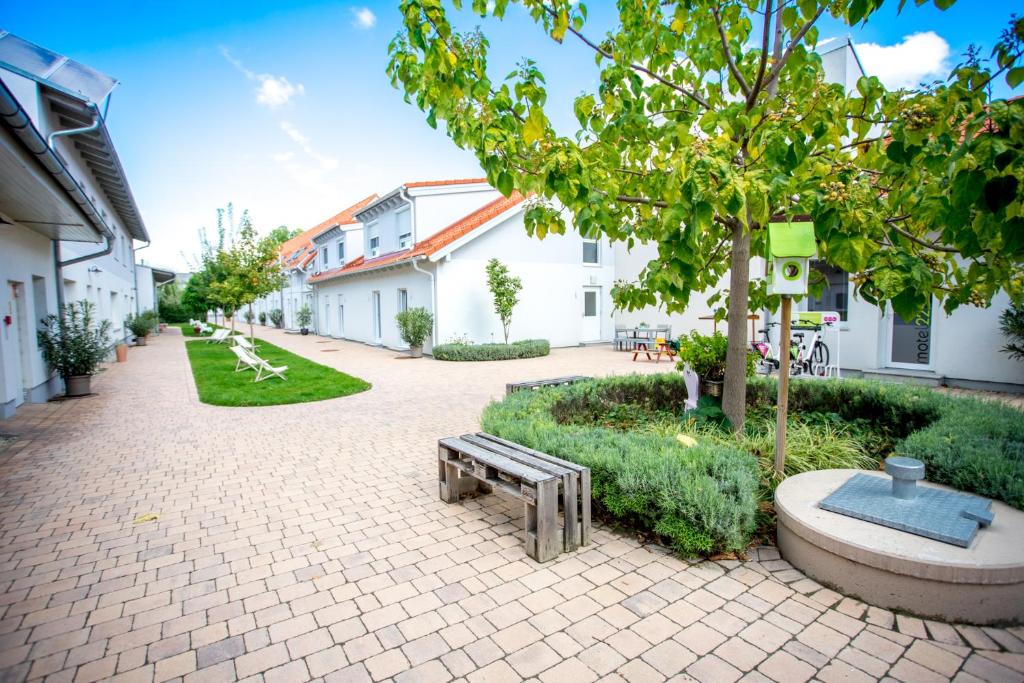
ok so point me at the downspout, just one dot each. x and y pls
(433, 295)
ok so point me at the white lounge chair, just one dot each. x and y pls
(244, 342)
(219, 336)
(264, 370)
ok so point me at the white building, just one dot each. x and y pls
(68, 220)
(299, 259)
(427, 244)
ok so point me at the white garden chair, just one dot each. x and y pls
(264, 370)
(244, 343)
(219, 336)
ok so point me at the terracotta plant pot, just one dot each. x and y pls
(712, 387)
(122, 352)
(78, 385)
(416, 351)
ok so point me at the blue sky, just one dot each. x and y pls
(285, 109)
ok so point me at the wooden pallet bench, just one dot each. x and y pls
(539, 383)
(484, 463)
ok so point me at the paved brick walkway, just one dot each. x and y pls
(308, 541)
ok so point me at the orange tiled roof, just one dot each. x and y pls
(432, 244)
(303, 242)
(438, 183)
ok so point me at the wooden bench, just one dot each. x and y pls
(537, 384)
(484, 463)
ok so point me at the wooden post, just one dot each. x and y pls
(783, 399)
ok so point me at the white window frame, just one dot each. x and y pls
(325, 258)
(403, 299)
(341, 251)
(597, 245)
(372, 234)
(405, 238)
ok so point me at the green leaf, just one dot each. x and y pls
(1000, 192)
(1015, 76)
(505, 183)
(533, 129)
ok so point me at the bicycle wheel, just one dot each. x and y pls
(820, 357)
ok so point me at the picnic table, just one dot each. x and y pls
(660, 347)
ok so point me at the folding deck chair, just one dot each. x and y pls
(264, 370)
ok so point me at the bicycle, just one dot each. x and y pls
(768, 359)
(811, 358)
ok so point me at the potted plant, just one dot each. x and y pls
(414, 325)
(248, 317)
(304, 317)
(140, 325)
(263, 318)
(276, 317)
(706, 356)
(73, 345)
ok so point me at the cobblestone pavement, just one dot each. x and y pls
(308, 542)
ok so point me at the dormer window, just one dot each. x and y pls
(325, 258)
(403, 227)
(373, 239)
(341, 252)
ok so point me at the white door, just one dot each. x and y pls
(591, 314)
(341, 320)
(14, 335)
(376, 318)
(911, 341)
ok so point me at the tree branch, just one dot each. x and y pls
(759, 81)
(633, 65)
(797, 37)
(917, 240)
(733, 69)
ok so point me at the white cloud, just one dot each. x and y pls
(324, 162)
(920, 57)
(363, 17)
(272, 91)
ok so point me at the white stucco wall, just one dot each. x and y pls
(551, 301)
(355, 293)
(26, 269)
(629, 263)
(437, 208)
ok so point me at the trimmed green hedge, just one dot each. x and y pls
(702, 499)
(894, 409)
(528, 348)
(976, 446)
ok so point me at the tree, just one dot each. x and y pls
(246, 271)
(505, 290)
(282, 234)
(711, 119)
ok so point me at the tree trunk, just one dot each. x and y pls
(734, 398)
(252, 335)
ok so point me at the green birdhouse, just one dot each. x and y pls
(789, 250)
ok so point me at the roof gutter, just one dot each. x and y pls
(19, 123)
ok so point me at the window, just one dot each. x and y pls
(403, 300)
(835, 295)
(590, 304)
(373, 239)
(403, 227)
(591, 252)
(326, 258)
(341, 252)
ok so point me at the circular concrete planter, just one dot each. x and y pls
(416, 352)
(982, 584)
(78, 385)
(140, 341)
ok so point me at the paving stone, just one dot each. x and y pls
(712, 669)
(533, 659)
(785, 668)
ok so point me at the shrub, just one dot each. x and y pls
(172, 312)
(262, 318)
(73, 344)
(414, 325)
(1011, 323)
(304, 317)
(141, 325)
(528, 348)
(706, 355)
(702, 499)
(895, 410)
(976, 447)
(248, 317)
(276, 317)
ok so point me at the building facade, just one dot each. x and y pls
(68, 221)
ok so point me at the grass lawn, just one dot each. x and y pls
(187, 330)
(213, 366)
